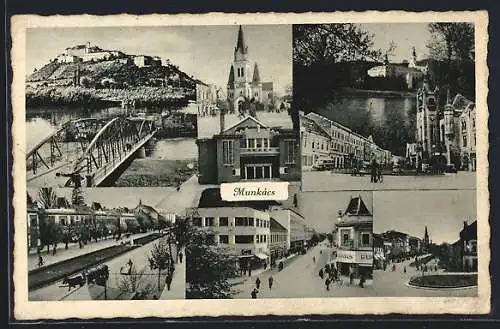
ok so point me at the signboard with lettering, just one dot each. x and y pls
(358, 257)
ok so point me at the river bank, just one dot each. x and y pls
(78, 96)
(375, 93)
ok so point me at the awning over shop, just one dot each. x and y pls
(379, 257)
(261, 256)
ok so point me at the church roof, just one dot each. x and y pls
(230, 81)
(240, 44)
(256, 75)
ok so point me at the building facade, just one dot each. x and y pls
(244, 232)
(249, 150)
(468, 247)
(244, 81)
(355, 240)
(278, 240)
(295, 225)
(315, 142)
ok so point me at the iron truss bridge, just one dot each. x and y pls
(86, 152)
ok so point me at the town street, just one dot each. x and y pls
(394, 284)
(139, 257)
(301, 279)
(328, 181)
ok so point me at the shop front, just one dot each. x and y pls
(356, 262)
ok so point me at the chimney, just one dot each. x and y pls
(222, 120)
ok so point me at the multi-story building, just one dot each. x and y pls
(278, 240)
(206, 97)
(347, 148)
(428, 136)
(249, 150)
(468, 137)
(244, 84)
(378, 251)
(468, 247)
(33, 221)
(355, 240)
(315, 142)
(295, 225)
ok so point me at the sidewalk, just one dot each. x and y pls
(178, 286)
(73, 251)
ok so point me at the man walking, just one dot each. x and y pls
(373, 176)
(40, 261)
(271, 280)
(257, 283)
(327, 284)
(180, 256)
(254, 293)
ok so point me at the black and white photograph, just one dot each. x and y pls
(425, 244)
(104, 244)
(246, 131)
(104, 108)
(199, 162)
(386, 106)
(313, 245)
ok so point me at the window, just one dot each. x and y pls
(224, 239)
(257, 222)
(244, 221)
(196, 221)
(223, 221)
(464, 140)
(290, 151)
(209, 221)
(345, 237)
(243, 238)
(250, 143)
(62, 220)
(365, 239)
(250, 221)
(228, 152)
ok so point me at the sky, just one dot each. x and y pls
(404, 35)
(443, 211)
(203, 51)
(320, 209)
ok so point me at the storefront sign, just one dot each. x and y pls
(358, 257)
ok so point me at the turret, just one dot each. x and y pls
(448, 116)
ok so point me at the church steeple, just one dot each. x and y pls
(241, 48)
(256, 75)
(230, 81)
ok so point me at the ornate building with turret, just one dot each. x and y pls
(244, 82)
(427, 124)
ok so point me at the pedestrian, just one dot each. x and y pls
(373, 171)
(393, 267)
(40, 261)
(404, 269)
(270, 280)
(327, 284)
(257, 283)
(362, 281)
(249, 270)
(351, 278)
(321, 274)
(314, 259)
(254, 293)
(168, 281)
(180, 256)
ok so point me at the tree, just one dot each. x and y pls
(77, 197)
(47, 197)
(208, 268)
(181, 228)
(160, 258)
(451, 49)
(323, 59)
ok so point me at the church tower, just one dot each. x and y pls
(426, 240)
(427, 123)
(240, 79)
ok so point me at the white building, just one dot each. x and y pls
(295, 225)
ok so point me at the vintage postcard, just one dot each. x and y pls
(250, 164)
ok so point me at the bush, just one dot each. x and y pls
(444, 281)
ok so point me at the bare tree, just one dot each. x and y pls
(160, 258)
(47, 197)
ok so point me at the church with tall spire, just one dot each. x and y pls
(244, 79)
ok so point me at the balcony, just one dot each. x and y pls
(260, 151)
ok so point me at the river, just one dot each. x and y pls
(391, 120)
(41, 122)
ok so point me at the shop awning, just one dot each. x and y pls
(261, 256)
